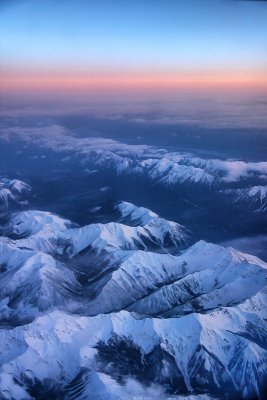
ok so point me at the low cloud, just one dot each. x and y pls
(209, 111)
(237, 169)
(137, 391)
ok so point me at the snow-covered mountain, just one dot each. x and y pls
(105, 311)
(135, 215)
(11, 190)
(31, 282)
(158, 165)
(39, 230)
(254, 197)
(167, 170)
(171, 168)
(63, 354)
(203, 278)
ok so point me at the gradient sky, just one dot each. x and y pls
(113, 44)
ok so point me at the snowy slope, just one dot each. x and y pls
(135, 215)
(49, 232)
(203, 278)
(254, 197)
(171, 168)
(194, 350)
(11, 190)
(31, 282)
(158, 164)
(105, 311)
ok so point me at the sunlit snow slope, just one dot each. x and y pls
(127, 309)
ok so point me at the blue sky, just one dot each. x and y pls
(162, 35)
(144, 46)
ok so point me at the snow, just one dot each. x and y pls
(140, 214)
(80, 301)
(57, 342)
(255, 197)
(12, 189)
(158, 164)
(33, 221)
(45, 231)
(95, 209)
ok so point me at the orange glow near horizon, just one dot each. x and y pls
(123, 81)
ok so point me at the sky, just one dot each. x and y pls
(115, 45)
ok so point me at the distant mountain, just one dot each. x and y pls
(164, 170)
(254, 197)
(171, 168)
(159, 165)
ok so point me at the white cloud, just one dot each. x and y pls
(240, 169)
